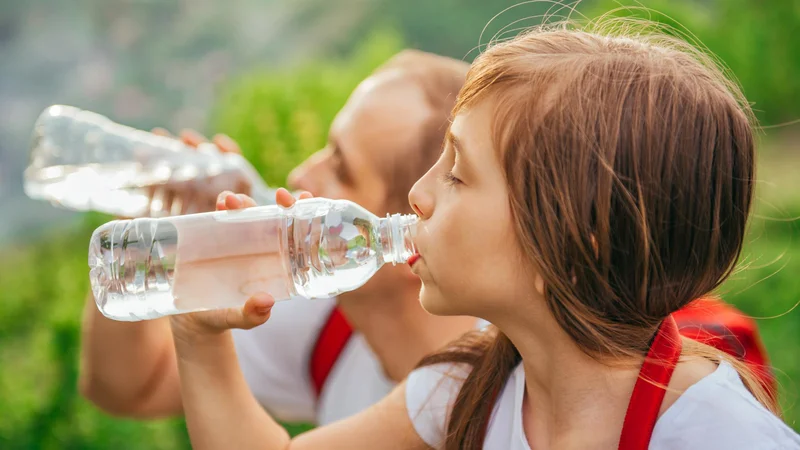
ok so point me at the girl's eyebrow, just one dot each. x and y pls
(458, 148)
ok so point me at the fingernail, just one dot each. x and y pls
(225, 140)
(192, 137)
(262, 310)
(243, 198)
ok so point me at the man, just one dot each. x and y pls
(317, 360)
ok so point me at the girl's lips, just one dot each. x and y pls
(413, 259)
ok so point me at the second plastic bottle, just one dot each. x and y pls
(83, 161)
(147, 268)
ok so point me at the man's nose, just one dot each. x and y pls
(306, 176)
(296, 179)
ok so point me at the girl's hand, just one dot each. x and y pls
(227, 200)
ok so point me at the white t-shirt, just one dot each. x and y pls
(275, 360)
(717, 412)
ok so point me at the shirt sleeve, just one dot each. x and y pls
(430, 394)
(274, 357)
(719, 412)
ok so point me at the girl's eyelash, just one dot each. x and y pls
(450, 179)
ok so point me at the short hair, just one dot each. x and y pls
(440, 78)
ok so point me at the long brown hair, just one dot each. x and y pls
(629, 159)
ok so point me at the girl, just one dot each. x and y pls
(591, 184)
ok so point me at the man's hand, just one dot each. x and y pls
(199, 194)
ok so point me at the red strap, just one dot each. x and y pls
(331, 341)
(648, 393)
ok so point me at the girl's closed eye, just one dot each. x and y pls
(450, 179)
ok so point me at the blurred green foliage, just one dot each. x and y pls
(766, 285)
(757, 40)
(281, 117)
(42, 291)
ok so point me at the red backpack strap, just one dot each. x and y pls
(649, 390)
(330, 343)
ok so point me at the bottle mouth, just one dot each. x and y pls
(404, 230)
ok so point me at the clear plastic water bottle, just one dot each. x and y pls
(147, 268)
(83, 161)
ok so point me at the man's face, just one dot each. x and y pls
(381, 125)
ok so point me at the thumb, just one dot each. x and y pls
(255, 312)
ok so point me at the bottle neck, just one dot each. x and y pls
(397, 233)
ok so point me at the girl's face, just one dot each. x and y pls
(470, 262)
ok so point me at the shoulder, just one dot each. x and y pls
(430, 394)
(719, 412)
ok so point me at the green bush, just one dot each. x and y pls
(757, 40)
(42, 291)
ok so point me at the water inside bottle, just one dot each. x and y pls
(125, 188)
(222, 262)
(149, 268)
(132, 266)
(115, 188)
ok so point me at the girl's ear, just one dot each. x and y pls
(538, 283)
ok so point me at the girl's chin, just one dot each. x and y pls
(434, 303)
